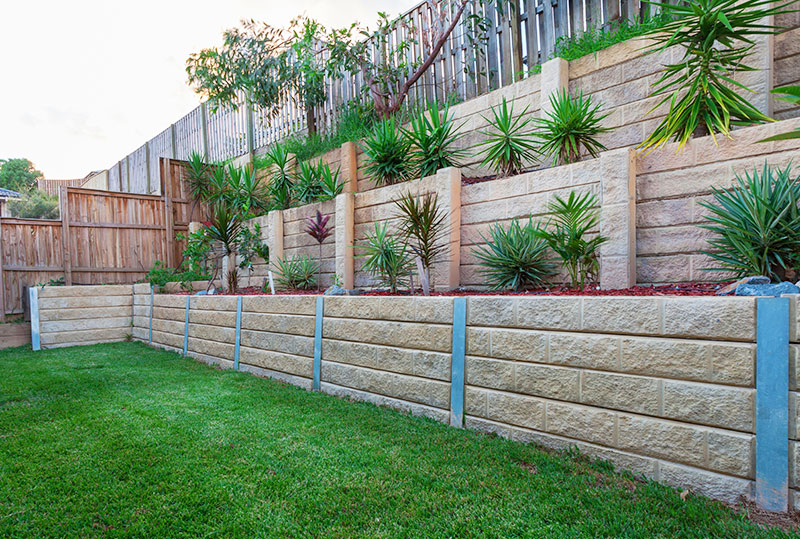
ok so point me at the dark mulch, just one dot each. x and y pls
(680, 289)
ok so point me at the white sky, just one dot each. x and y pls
(85, 82)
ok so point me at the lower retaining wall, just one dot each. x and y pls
(666, 387)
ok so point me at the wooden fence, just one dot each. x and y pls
(102, 237)
(515, 43)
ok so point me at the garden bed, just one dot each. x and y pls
(680, 289)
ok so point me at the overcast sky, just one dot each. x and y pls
(86, 82)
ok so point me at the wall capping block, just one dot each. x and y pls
(317, 369)
(772, 404)
(33, 297)
(457, 362)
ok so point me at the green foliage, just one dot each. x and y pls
(250, 245)
(387, 151)
(790, 94)
(424, 224)
(716, 37)
(756, 223)
(19, 175)
(34, 204)
(224, 225)
(433, 134)
(197, 254)
(571, 221)
(385, 258)
(197, 176)
(297, 272)
(307, 187)
(279, 190)
(508, 145)
(159, 275)
(595, 39)
(570, 128)
(330, 184)
(245, 191)
(514, 258)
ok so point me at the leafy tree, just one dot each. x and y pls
(34, 204)
(19, 175)
(263, 63)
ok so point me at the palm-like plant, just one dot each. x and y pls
(246, 190)
(330, 184)
(388, 154)
(514, 258)
(197, 173)
(306, 187)
(716, 37)
(508, 146)
(423, 224)
(790, 94)
(756, 223)
(385, 257)
(570, 128)
(317, 227)
(224, 226)
(572, 220)
(433, 135)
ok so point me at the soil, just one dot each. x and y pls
(680, 289)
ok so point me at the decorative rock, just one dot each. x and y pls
(731, 288)
(339, 291)
(775, 290)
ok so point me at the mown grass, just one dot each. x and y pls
(123, 440)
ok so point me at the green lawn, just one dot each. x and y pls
(121, 440)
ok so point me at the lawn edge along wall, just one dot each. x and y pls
(678, 389)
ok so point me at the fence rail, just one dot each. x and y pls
(515, 43)
(102, 237)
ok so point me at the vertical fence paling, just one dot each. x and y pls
(517, 40)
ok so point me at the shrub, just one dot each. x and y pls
(388, 154)
(34, 204)
(514, 258)
(297, 272)
(570, 128)
(159, 275)
(245, 190)
(572, 219)
(423, 223)
(433, 135)
(330, 184)
(307, 187)
(507, 145)
(716, 37)
(317, 227)
(279, 162)
(197, 174)
(756, 224)
(385, 258)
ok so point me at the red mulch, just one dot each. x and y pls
(681, 289)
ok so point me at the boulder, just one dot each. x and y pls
(775, 290)
(731, 288)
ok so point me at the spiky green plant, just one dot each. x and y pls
(224, 226)
(246, 191)
(387, 153)
(296, 272)
(514, 258)
(716, 37)
(385, 258)
(433, 135)
(423, 225)
(756, 223)
(330, 184)
(279, 163)
(307, 187)
(570, 128)
(790, 94)
(567, 235)
(508, 146)
(197, 173)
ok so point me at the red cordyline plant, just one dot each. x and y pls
(317, 227)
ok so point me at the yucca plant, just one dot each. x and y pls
(224, 226)
(716, 37)
(433, 134)
(247, 192)
(792, 95)
(571, 221)
(218, 190)
(423, 225)
(296, 272)
(509, 145)
(570, 128)
(279, 161)
(385, 258)
(307, 186)
(756, 223)
(387, 153)
(317, 227)
(514, 258)
(197, 172)
(330, 184)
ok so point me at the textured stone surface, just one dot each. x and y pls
(708, 404)
(546, 381)
(519, 345)
(663, 439)
(774, 290)
(562, 313)
(710, 318)
(581, 423)
(731, 288)
(621, 392)
(589, 351)
(622, 315)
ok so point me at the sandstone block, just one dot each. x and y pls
(547, 381)
(589, 351)
(622, 315)
(621, 392)
(581, 423)
(519, 345)
(708, 404)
